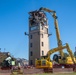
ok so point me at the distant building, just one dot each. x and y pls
(25, 62)
(22, 61)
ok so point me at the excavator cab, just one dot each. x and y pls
(43, 57)
(43, 63)
(65, 61)
(56, 57)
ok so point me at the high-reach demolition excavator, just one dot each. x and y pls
(45, 62)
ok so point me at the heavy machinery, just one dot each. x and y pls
(6, 64)
(45, 62)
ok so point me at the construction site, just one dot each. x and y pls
(40, 55)
(40, 61)
(44, 57)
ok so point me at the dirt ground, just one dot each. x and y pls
(4, 73)
(44, 74)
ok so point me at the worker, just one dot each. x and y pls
(16, 69)
(20, 69)
(13, 63)
(8, 61)
(19, 65)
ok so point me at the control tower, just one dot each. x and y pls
(38, 35)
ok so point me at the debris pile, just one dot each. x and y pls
(37, 18)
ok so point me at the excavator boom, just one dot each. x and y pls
(61, 48)
(59, 42)
(47, 10)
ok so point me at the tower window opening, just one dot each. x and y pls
(31, 62)
(31, 53)
(42, 35)
(30, 44)
(42, 44)
(30, 36)
(47, 31)
(42, 52)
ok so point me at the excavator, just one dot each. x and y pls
(45, 62)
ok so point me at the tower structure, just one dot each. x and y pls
(38, 35)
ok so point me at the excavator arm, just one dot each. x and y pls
(53, 51)
(61, 48)
(70, 52)
(59, 42)
(47, 10)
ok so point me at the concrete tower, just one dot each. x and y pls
(38, 36)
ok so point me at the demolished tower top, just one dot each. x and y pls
(37, 18)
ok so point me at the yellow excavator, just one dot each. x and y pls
(45, 62)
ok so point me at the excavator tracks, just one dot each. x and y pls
(59, 70)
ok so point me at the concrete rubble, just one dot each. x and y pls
(37, 18)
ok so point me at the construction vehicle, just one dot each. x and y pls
(6, 64)
(44, 62)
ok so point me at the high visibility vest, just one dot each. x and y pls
(13, 63)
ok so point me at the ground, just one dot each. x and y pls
(4, 73)
(44, 74)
